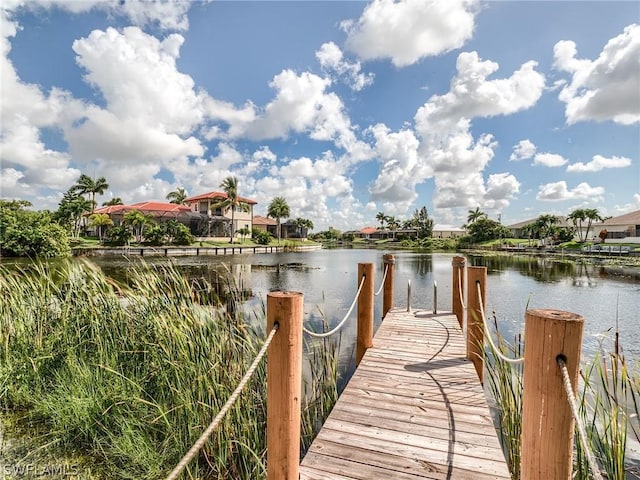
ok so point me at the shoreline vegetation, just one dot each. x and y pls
(608, 396)
(118, 381)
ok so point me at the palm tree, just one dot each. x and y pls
(393, 225)
(178, 196)
(546, 225)
(475, 215)
(301, 223)
(100, 220)
(87, 185)
(113, 201)
(577, 217)
(278, 208)
(592, 215)
(381, 217)
(230, 186)
(138, 222)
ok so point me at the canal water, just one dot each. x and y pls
(607, 297)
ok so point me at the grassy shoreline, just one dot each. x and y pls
(121, 380)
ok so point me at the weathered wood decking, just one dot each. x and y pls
(413, 409)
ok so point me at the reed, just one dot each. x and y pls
(127, 377)
(608, 396)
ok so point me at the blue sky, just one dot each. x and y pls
(344, 108)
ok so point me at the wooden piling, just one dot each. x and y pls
(365, 310)
(547, 423)
(458, 264)
(284, 385)
(475, 327)
(387, 295)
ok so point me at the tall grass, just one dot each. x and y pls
(128, 377)
(609, 399)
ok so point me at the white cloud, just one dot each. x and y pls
(598, 162)
(629, 207)
(523, 150)
(401, 169)
(559, 191)
(472, 95)
(406, 31)
(549, 159)
(165, 14)
(443, 124)
(607, 88)
(500, 188)
(332, 61)
(151, 108)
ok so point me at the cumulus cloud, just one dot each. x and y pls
(607, 88)
(598, 162)
(549, 160)
(443, 124)
(559, 191)
(151, 108)
(472, 95)
(333, 62)
(406, 31)
(523, 150)
(400, 169)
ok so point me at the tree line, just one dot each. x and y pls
(44, 233)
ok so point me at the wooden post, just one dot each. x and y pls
(365, 310)
(547, 423)
(458, 264)
(475, 326)
(387, 295)
(284, 385)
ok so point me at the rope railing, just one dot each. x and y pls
(386, 269)
(227, 406)
(591, 459)
(342, 322)
(464, 306)
(495, 349)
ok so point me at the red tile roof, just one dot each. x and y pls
(160, 206)
(258, 220)
(220, 195)
(157, 208)
(368, 230)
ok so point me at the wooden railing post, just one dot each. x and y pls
(284, 385)
(387, 296)
(547, 423)
(475, 327)
(365, 310)
(458, 264)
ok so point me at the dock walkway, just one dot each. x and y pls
(413, 409)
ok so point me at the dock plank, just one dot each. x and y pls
(414, 409)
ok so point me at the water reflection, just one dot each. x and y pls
(604, 295)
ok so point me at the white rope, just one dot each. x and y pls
(487, 334)
(331, 332)
(591, 459)
(386, 269)
(212, 426)
(464, 307)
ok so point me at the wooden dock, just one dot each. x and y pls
(413, 409)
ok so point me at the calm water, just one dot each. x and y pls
(328, 278)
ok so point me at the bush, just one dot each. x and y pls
(25, 233)
(261, 237)
(119, 235)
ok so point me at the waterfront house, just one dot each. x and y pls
(621, 229)
(266, 224)
(217, 219)
(157, 211)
